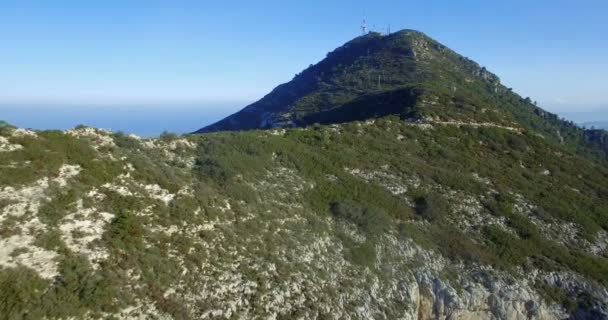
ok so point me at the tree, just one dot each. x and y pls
(431, 206)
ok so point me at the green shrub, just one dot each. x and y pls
(168, 136)
(20, 291)
(372, 221)
(431, 207)
(124, 231)
(510, 250)
(122, 140)
(214, 170)
(60, 205)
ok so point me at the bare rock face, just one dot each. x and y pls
(478, 297)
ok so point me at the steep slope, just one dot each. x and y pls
(383, 219)
(364, 66)
(406, 74)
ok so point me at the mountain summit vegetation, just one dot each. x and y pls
(406, 74)
(393, 180)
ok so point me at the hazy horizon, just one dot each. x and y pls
(195, 61)
(153, 119)
(145, 121)
(141, 52)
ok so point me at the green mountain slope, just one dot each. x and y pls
(395, 180)
(442, 86)
(378, 219)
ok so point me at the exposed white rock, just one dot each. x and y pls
(335, 128)
(563, 232)
(18, 250)
(283, 186)
(24, 203)
(168, 231)
(96, 195)
(6, 146)
(120, 189)
(481, 179)
(482, 297)
(29, 198)
(142, 310)
(99, 137)
(66, 172)
(600, 245)
(156, 192)
(470, 215)
(181, 143)
(24, 200)
(429, 122)
(149, 143)
(421, 126)
(225, 207)
(278, 132)
(331, 177)
(21, 133)
(394, 184)
(80, 229)
(186, 191)
(127, 186)
(477, 125)
(175, 151)
(171, 145)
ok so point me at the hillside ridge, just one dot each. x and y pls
(442, 218)
(407, 74)
(394, 179)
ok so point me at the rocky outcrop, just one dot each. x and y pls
(483, 297)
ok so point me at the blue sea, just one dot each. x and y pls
(145, 121)
(152, 120)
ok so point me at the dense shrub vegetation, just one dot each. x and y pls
(448, 147)
(227, 165)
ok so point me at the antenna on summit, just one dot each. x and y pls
(363, 27)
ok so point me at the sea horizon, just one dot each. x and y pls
(150, 120)
(145, 120)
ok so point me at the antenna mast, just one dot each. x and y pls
(364, 27)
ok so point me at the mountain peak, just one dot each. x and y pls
(367, 65)
(407, 74)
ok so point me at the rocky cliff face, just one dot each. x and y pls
(355, 221)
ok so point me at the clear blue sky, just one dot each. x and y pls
(164, 52)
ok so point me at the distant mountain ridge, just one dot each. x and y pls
(596, 124)
(406, 74)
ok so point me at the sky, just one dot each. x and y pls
(225, 54)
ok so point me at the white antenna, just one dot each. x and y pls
(364, 27)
